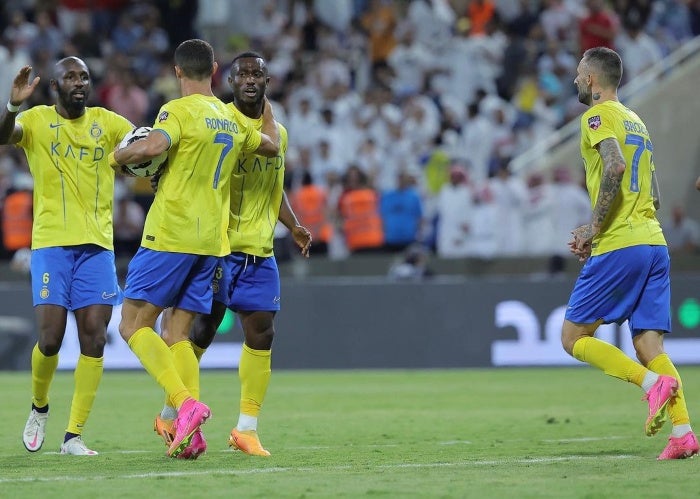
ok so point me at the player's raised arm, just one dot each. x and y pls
(270, 145)
(11, 132)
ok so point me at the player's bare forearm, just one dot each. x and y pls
(613, 170)
(287, 215)
(697, 184)
(7, 127)
(300, 234)
(142, 150)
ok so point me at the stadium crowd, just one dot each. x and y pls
(403, 116)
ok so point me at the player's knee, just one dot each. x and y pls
(260, 339)
(203, 331)
(125, 330)
(93, 345)
(568, 339)
(49, 345)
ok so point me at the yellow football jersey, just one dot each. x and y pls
(632, 218)
(73, 182)
(191, 208)
(257, 185)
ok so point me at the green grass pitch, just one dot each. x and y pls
(481, 433)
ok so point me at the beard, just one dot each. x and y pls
(584, 96)
(72, 105)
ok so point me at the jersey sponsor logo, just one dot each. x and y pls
(81, 153)
(44, 293)
(276, 299)
(163, 116)
(594, 122)
(55, 125)
(252, 163)
(150, 238)
(107, 296)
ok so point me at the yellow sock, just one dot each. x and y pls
(198, 351)
(187, 366)
(609, 359)
(157, 359)
(87, 375)
(43, 369)
(677, 410)
(254, 372)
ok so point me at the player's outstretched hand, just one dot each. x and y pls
(21, 88)
(302, 238)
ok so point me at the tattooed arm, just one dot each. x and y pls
(613, 170)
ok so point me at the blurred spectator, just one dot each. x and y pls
(599, 28)
(379, 22)
(682, 232)
(358, 208)
(510, 195)
(401, 210)
(484, 225)
(125, 97)
(310, 203)
(20, 31)
(557, 20)
(571, 209)
(17, 215)
(638, 51)
(413, 265)
(538, 222)
(480, 13)
(11, 61)
(454, 211)
(48, 39)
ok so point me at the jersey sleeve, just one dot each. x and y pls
(24, 119)
(253, 138)
(597, 125)
(169, 122)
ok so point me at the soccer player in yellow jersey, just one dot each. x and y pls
(72, 266)
(626, 270)
(248, 281)
(185, 229)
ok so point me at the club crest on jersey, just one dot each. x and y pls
(594, 122)
(162, 117)
(95, 131)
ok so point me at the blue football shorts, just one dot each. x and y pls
(74, 277)
(626, 284)
(249, 283)
(167, 279)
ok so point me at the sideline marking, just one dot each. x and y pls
(171, 474)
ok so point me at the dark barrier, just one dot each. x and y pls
(353, 323)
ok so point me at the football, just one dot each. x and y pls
(147, 168)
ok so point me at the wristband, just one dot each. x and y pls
(11, 107)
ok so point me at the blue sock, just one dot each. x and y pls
(69, 435)
(42, 410)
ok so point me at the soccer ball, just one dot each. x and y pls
(147, 168)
